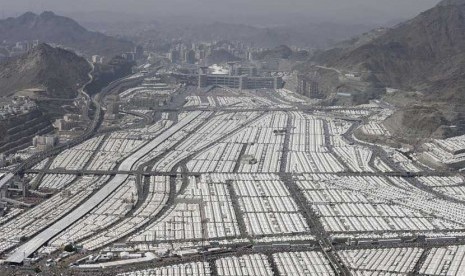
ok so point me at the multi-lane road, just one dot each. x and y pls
(130, 166)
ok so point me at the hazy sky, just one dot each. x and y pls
(274, 10)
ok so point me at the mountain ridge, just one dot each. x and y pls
(424, 59)
(421, 54)
(48, 27)
(451, 2)
(58, 71)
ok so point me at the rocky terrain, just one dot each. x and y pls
(425, 54)
(60, 72)
(51, 28)
(281, 52)
(56, 74)
(424, 58)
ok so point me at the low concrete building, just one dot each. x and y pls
(44, 142)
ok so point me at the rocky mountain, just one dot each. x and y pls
(58, 71)
(281, 52)
(362, 39)
(424, 58)
(451, 2)
(51, 28)
(426, 54)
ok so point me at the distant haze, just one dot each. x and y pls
(259, 12)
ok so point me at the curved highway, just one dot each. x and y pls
(35, 243)
(96, 100)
